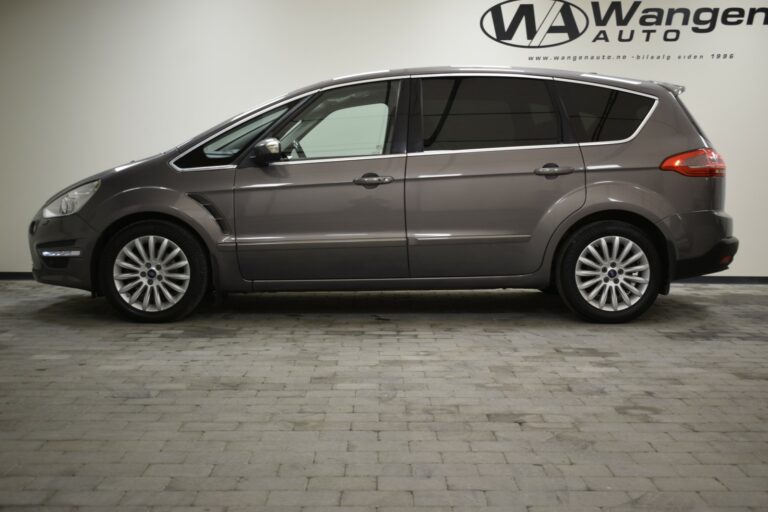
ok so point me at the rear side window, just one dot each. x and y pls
(599, 114)
(479, 112)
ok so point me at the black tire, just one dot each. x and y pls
(566, 271)
(192, 249)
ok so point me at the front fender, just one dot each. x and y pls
(178, 205)
(165, 201)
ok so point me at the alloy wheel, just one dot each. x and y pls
(612, 273)
(151, 273)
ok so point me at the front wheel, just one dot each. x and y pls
(609, 272)
(154, 271)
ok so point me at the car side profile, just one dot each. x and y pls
(601, 188)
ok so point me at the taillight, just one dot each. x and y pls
(704, 162)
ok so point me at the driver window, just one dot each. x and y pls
(343, 122)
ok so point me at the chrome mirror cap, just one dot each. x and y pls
(266, 151)
(272, 146)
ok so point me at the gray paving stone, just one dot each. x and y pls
(230, 498)
(450, 498)
(754, 499)
(208, 483)
(384, 402)
(142, 483)
(688, 484)
(86, 498)
(376, 498)
(395, 483)
(341, 483)
(17, 497)
(199, 470)
(305, 498)
(138, 498)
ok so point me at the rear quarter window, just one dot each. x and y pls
(601, 114)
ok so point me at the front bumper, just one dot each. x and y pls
(718, 258)
(61, 249)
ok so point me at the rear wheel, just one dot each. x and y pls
(154, 271)
(609, 272)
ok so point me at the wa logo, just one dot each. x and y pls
(534, 23)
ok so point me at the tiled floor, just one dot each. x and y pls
(384, 402)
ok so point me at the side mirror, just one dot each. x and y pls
(266, 151)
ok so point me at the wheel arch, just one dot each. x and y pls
(661, 242)
(116, 225)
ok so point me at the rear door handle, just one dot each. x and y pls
(553, 170)
(372, 180)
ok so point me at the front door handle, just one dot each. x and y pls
(553, 170)
(372, 180)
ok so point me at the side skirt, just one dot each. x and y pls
(419, 283)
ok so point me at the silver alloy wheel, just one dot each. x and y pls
(151, 273)
(612, 273)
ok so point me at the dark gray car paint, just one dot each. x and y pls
(321, 232)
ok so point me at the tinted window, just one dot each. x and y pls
(602, 114)
(478, 112)
(343, 122)
(224, 149)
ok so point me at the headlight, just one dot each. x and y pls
(71, 201)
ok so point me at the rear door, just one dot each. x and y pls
(488, 173)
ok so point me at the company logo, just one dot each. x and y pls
(534, 24)
(547, 23)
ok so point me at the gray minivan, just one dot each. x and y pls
(602, 189)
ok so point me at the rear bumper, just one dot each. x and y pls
(718, 258)
(700, 242)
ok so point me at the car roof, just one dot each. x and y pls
(643, 86)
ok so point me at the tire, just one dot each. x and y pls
(616, 282)
(161, 268)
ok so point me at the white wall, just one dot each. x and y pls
(89, 84)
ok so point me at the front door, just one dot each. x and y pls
(333, 206)
(493, 174)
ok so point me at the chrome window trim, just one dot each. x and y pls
(365, 81)
(338, 159)
(485, 150)
(261, 110)
(605, 86)
(482, 73)
(204, 168)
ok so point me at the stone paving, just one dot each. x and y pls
(493, 401)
